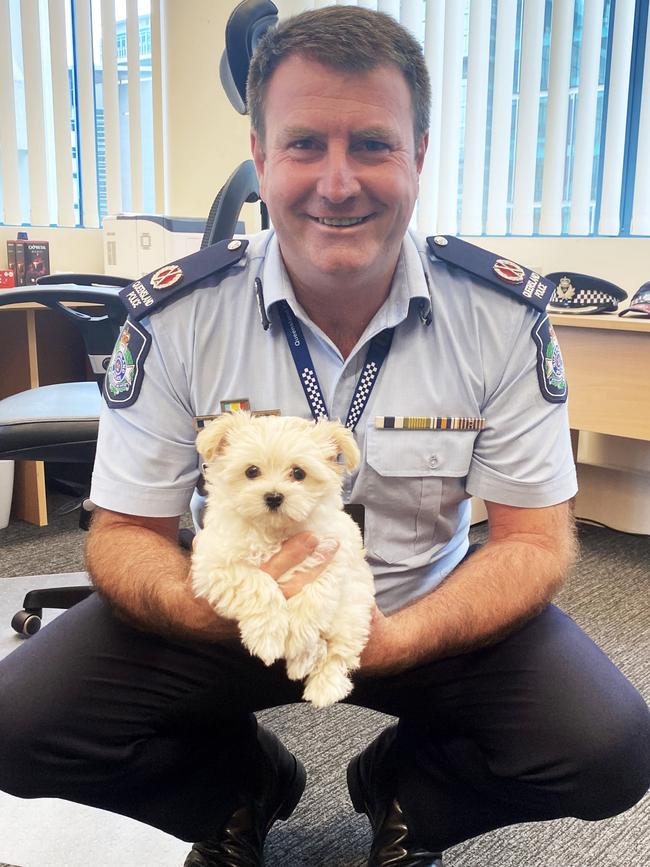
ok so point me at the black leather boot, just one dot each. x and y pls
(371, 782)
(240, 841)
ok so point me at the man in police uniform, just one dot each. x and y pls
(440, 357)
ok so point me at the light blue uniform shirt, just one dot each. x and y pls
(475, 359)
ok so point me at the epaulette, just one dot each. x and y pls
(148, 294)
(525, 284)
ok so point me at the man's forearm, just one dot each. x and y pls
(145, 578)
(504, 584)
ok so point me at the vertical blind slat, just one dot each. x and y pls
(111, 109)
(157, 108)
(86, 112)
(61, 109)
(433, 53)
(450, 117)
(504, 59)
(34, 109)
(583, 152)
(478, 63)
(135, 114)
(640, 224)
(610, 208)
(556, 119)
(390, 7)
(8, 134)
(527, 118)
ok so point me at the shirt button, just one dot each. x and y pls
(433, 462)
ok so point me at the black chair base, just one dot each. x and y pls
(28, 621)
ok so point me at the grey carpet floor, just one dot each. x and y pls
(608, 595)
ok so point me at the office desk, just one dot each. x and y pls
(38, 346)
(607, 360)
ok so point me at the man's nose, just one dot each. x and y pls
(338, 180)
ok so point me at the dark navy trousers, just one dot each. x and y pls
(539, 726)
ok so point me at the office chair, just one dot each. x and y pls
(60, 422)
(43, 425)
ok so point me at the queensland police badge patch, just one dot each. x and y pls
(550, 366)
(125, 370)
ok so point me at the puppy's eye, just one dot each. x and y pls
(298, 474)
(252, 472)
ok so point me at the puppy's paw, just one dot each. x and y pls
(265, 639)
(326, 687)
(301, 661)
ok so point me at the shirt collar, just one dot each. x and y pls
(409, 283)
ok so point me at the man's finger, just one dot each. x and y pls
(291, 554)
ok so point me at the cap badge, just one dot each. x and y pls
(509, 271)
(166, 277)
(564, 289)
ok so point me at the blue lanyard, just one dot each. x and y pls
(377, 352)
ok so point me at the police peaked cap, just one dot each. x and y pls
(581, 293)
(640, 302)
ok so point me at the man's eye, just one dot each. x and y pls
(374, 146)
(303, 144)
(298, 474)
(252, 472)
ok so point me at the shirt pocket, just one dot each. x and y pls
(415, 479)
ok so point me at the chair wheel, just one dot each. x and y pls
(26, 623)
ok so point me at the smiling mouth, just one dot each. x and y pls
(341, 222)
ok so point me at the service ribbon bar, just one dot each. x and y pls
(428, 422)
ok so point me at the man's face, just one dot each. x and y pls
(338, 169)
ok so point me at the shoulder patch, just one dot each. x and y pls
(125, 370)
(148, 294)
(525, 284)
(550, 366)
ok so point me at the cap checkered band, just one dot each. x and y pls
(314, 396)
(364, 387)
(584, 298)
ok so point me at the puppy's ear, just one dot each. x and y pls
(343, 439)
(212, 439)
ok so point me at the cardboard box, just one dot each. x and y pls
(7, 280)
(37, 260)
(28, 260)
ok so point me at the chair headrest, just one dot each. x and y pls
(247, 24)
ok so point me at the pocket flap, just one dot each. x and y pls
(408, 453)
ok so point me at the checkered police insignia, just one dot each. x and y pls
(125, 370)
(550, 365)
(166, 277)
(361, 394)
(313, 393)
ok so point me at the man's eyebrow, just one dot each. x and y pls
(298, 132)
(374, 132)
(371, 132)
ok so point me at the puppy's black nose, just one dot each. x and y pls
(274, 500)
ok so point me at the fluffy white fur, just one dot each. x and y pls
(250, 463)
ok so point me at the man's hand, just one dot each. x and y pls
(294, 552)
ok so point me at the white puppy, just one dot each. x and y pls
(269, 478)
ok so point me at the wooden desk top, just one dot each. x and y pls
(607, 321)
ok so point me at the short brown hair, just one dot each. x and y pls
(350, 38)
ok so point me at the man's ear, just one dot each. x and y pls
(257, 150)
(212, 439)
